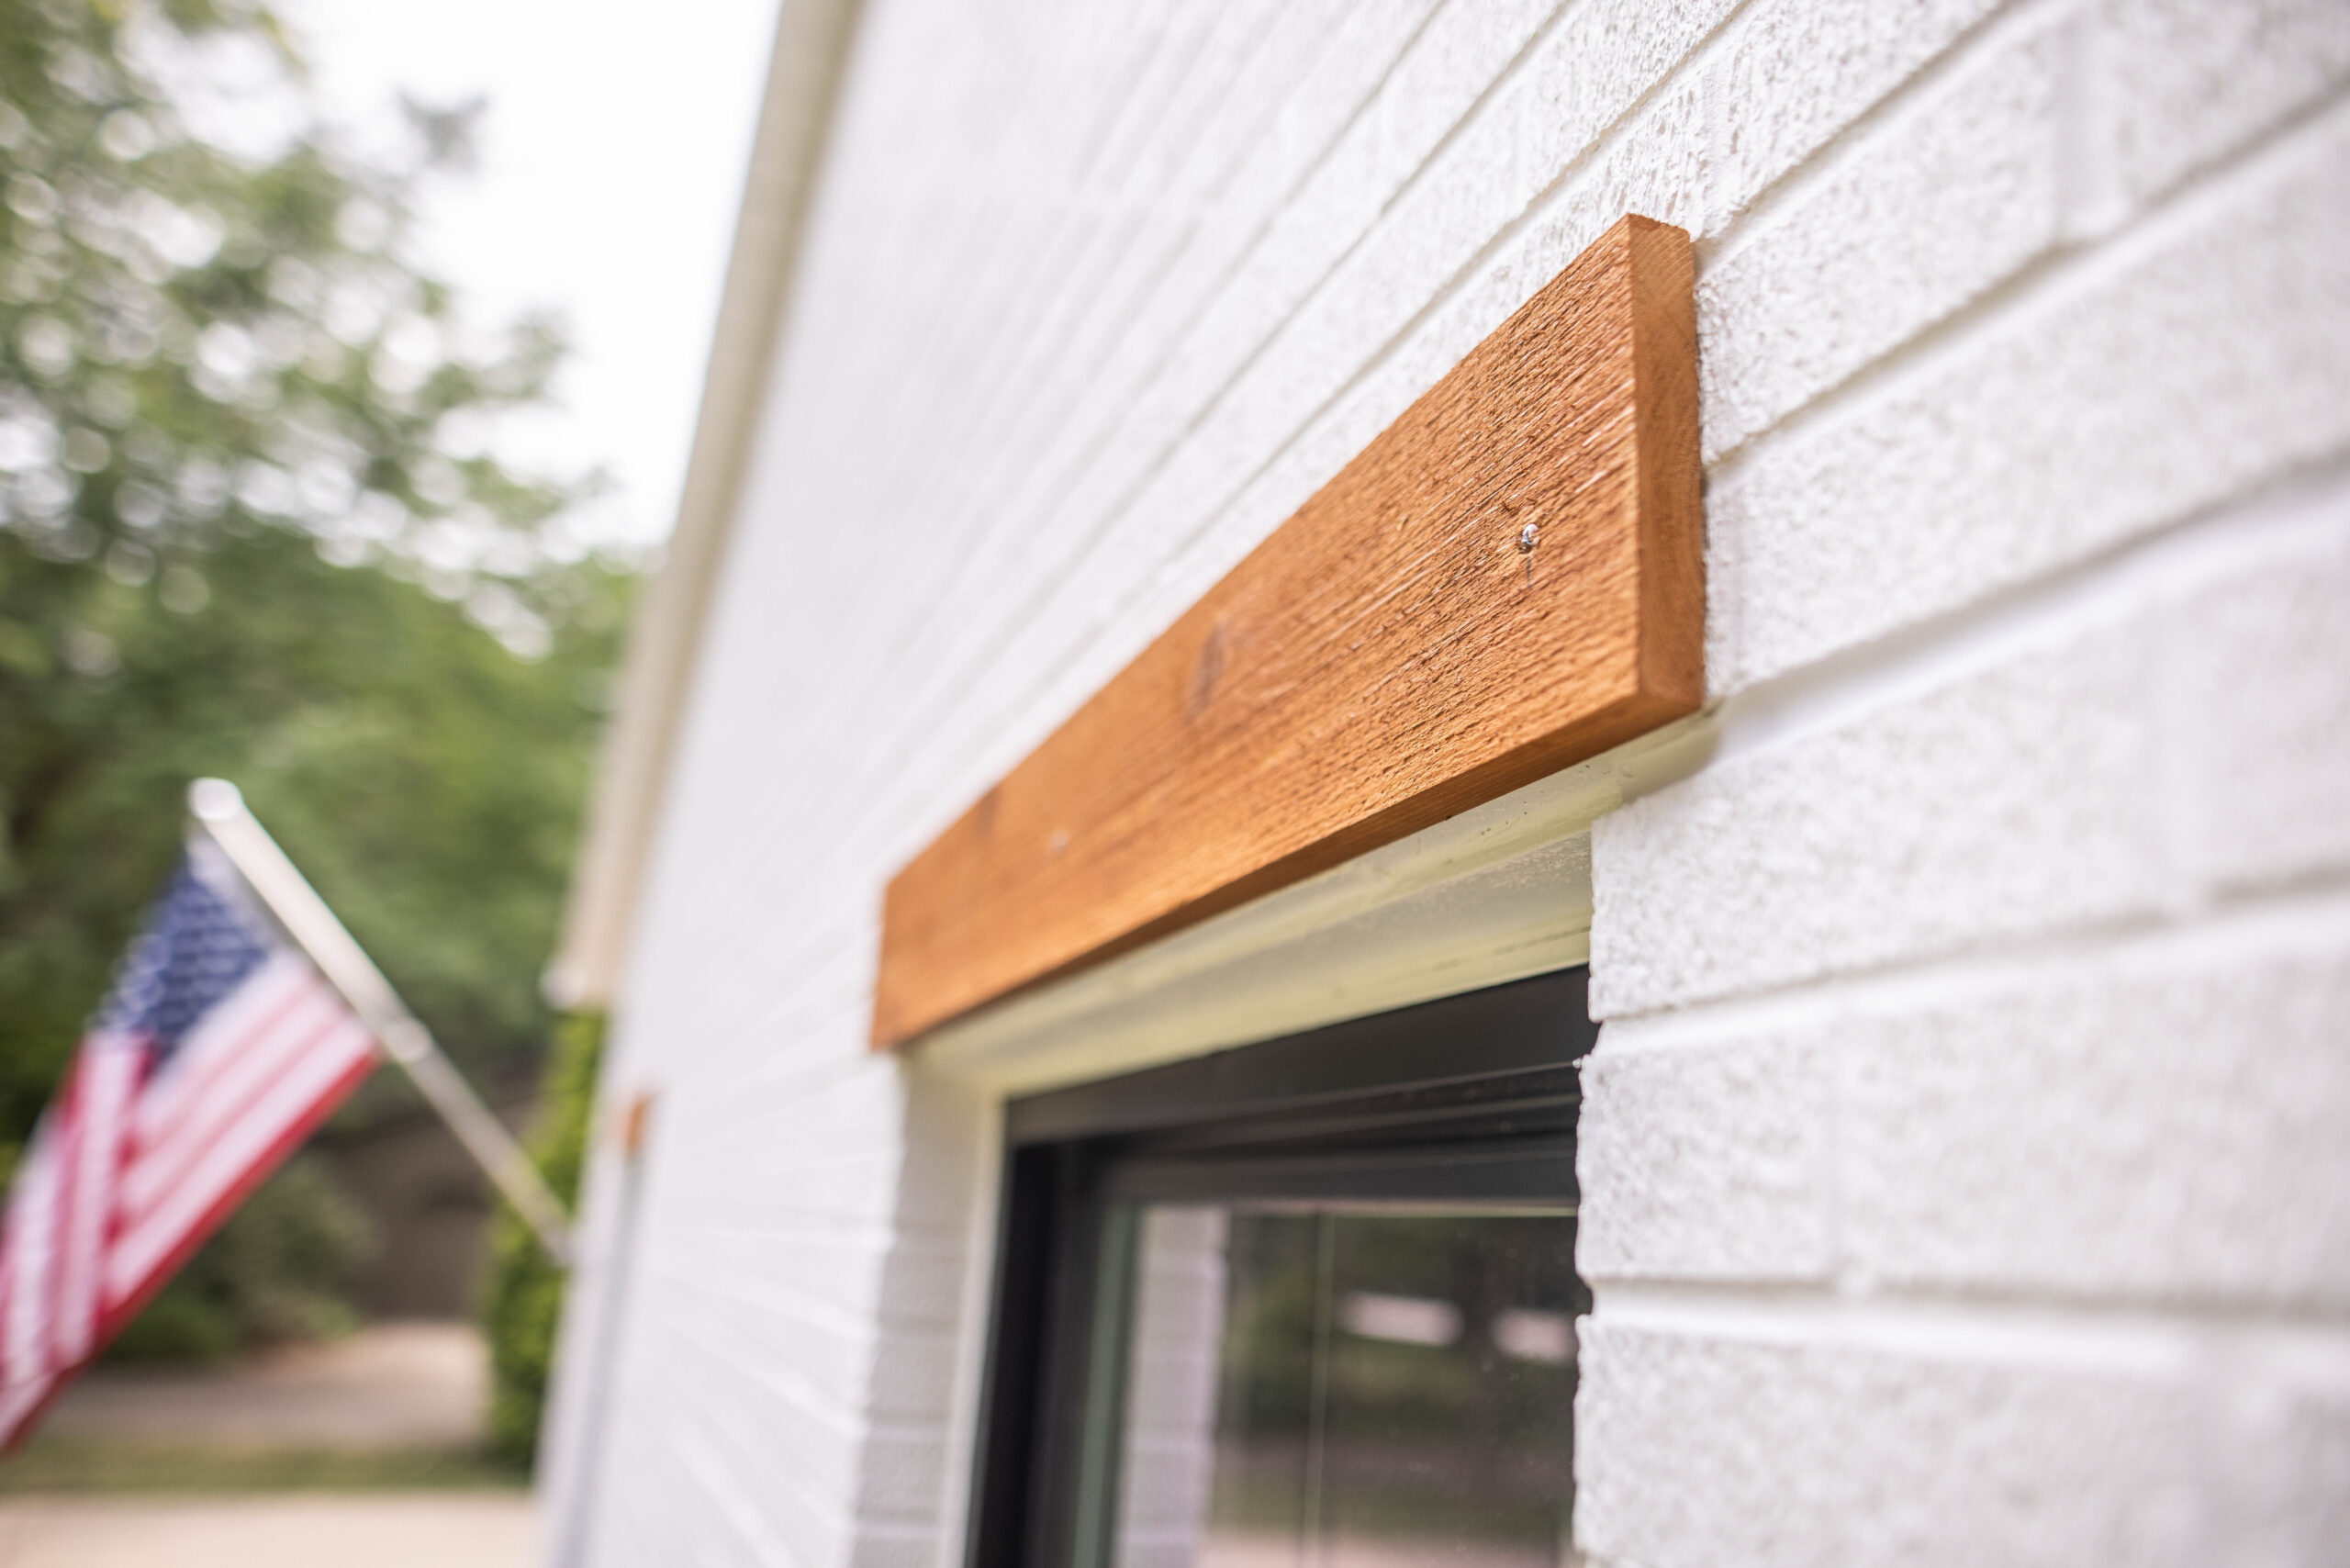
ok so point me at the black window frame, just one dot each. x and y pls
(1465, 1099)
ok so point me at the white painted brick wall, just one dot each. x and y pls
(2156, 1118)
(2017, 800)
(2164, 372)
(1953, 198)
(1709, 1162)
(2267, 688)
(1799, 1442)
(2184, 81)
(1798, 71)
(1964, 1156)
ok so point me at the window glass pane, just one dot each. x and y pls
(1347, 1388)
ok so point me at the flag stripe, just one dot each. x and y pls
(122, 1307)
(70, 1128)
(337, 1049)
(245, 1015)
(102, 1093)
(220, 1032)
(31, 1214)
(305, 1013)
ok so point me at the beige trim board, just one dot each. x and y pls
(811, 45)
(1495, 894)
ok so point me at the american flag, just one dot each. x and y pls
(218, 1051)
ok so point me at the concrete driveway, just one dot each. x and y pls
(467, 1529)
(389, 1386)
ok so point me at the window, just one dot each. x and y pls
(1304, 1304)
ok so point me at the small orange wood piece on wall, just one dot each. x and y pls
(1507, 580)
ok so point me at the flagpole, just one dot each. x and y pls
(219, 809)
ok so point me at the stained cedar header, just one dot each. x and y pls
(1507, 580)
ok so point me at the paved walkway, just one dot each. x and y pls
(392, 1385)
(311, 1530)
(408, 1386)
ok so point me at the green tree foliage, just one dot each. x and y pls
(251, 525)
(524, 1303)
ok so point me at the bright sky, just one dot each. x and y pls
(612, 155)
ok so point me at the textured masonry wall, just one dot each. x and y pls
(1965, 1151)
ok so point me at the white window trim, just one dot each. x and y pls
(1495, 894)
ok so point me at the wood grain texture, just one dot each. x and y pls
(1388, 657)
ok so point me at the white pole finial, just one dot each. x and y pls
(215, 799)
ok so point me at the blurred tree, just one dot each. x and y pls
(251, 525)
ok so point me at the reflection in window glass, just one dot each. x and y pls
(1349, 1389)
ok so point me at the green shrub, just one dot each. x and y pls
(180, 1325)
(525, 1301)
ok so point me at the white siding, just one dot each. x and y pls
(1963, 1151)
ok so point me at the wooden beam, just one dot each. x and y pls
(1508, 579)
